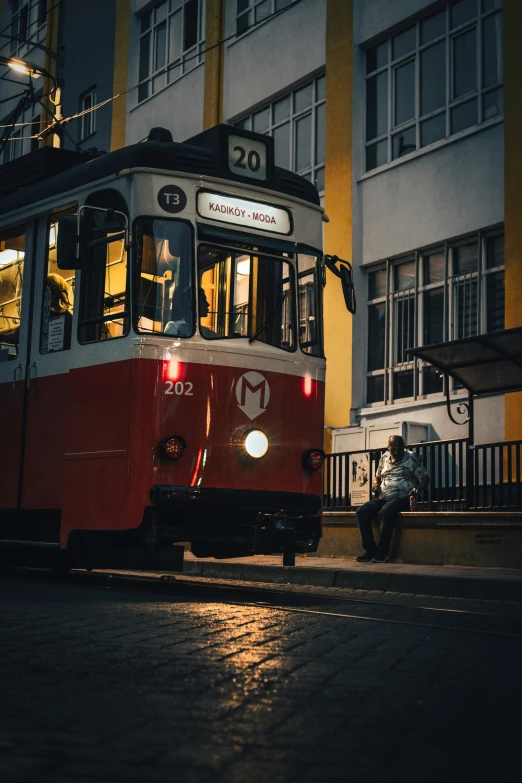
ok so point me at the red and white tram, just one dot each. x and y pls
(161, 355)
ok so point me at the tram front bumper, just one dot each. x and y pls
(256, 521)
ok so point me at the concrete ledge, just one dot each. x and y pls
(418, 580)
(493, 540)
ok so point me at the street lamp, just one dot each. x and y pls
(26, 67)
(34, 72)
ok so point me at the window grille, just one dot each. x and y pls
(439, 76)
(172, 42)
(439, 294)
(28, 25)
(297, 123)
(252, 12)
(20, 140)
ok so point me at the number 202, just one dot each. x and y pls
(179, 388)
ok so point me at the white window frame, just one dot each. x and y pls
(449, 286)
(415, 123)
(88, 99)
(25, 128)
(173, 67)
(36, 24)
(250, 13)
(315, 172)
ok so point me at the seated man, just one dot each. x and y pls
(399, 475)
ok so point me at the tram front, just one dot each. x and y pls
(220, 365)
(228, 304)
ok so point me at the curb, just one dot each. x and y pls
(419, 584)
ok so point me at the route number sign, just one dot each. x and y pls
(247, 157)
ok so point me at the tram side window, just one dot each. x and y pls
(104, 312)
(58, 301)
(12, 247)
(164, 277)
(248, 295)
(310, 310)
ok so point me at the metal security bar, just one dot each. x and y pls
(497, 479)
(462, 477)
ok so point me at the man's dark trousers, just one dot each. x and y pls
(386, 511)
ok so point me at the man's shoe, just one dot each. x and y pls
(380, 558)
(366, 557)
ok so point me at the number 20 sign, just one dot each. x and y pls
(247, 157)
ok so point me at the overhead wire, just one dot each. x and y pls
(65, 120)
(7, 28)
(6, 135)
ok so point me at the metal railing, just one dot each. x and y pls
(463, 477)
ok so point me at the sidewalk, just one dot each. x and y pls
(498, 584)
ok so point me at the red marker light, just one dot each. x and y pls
(307, 386)
(172, 370)
(313, 459)
(172, 447)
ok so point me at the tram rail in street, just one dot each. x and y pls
(466, 621)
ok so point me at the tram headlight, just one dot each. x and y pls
(172, 447)
(313, 459)
(256, 444)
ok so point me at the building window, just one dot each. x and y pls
(439, 76)
(172, 42)
(28, 22)
(24, 135)
(87, 120)
(297, 124)
(252, 12)
(444, 293)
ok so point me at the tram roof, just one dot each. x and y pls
(58, 171)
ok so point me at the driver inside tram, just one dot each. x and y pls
(180, 325)
(204, 309)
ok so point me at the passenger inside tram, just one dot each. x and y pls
(58, 301)
(60, 307)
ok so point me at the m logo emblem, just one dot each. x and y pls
(253, 394)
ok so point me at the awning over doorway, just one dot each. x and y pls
(484, 364)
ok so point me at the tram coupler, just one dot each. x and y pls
(275, 533)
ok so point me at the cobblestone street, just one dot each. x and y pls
(205, 684)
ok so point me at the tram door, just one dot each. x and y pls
(17, 247)
(51, 347)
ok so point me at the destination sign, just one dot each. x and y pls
(241, 212)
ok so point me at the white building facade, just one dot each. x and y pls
(410, 168)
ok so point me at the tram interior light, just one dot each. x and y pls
(243, 265)
(8, 256)
(256, 444)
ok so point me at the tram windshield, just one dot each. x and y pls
(246, 294)
(164, 277)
